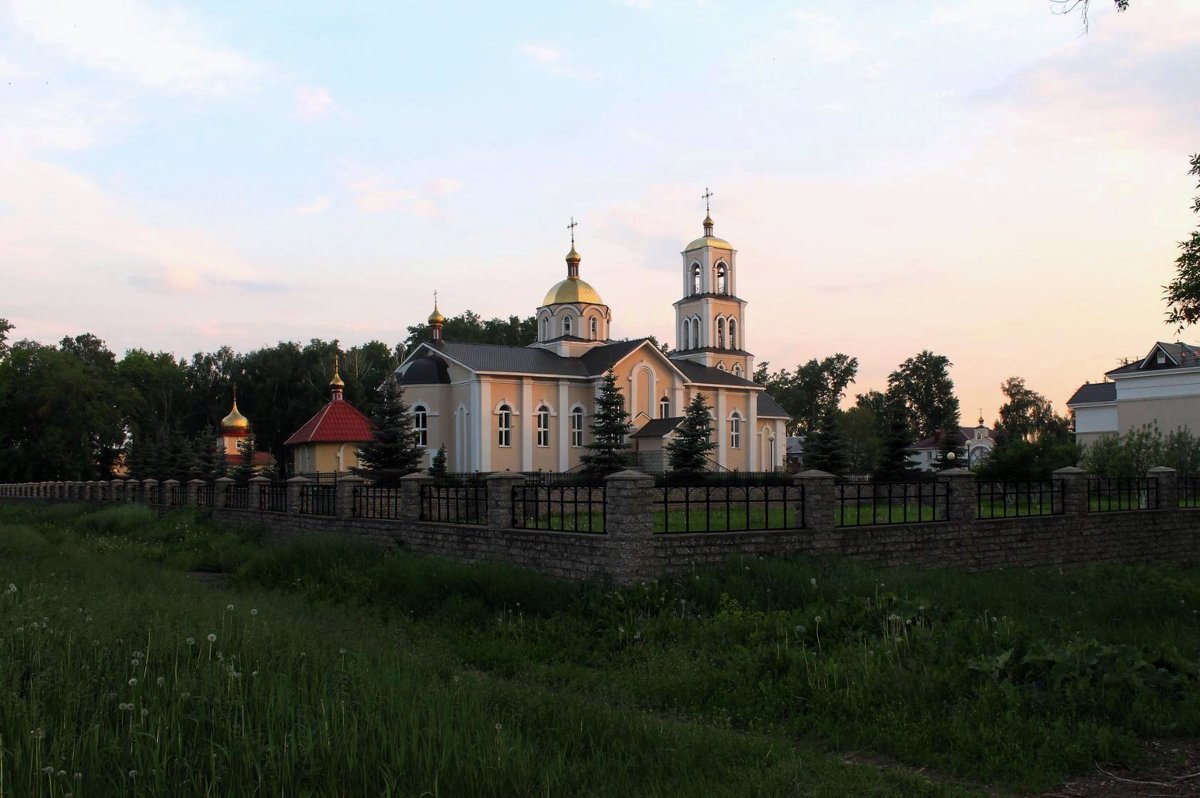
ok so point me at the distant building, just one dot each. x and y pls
(235, 437)
(329, 441)
(1162, 389)
(978, 443)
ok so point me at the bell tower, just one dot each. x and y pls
(709, 319)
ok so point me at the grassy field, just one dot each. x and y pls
(325, 668)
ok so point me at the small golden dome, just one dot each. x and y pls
(572, 291)
(708, 241)
(235, 422)
(573, 256)
(436, 317)
(336, 382)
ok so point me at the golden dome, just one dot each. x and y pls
(708, 241)
(336, 382)
(574, 291)
(436, 317)
(235, 422)
(573, 256)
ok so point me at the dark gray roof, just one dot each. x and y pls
(658, 427)
(697, 372)
(425, 370)
(1180, 354)
(602, 358)
(1094, 392)
(519, 359)
(769, 408)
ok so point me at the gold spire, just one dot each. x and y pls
(436, 317)
(708, 222)
(336, 382)
(573, 257)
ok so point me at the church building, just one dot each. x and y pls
(498, 408)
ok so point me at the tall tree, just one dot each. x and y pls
(811, 390)
(608, 450)
(923, 385)
(1026, 414)
(687, 453)
(824, 449)
(5, 328)
(393, 451)
(862, 438)
(470, 326)
(893, 461)
(1183, 293)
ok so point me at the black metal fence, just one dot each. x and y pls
(749, 478)
(204, 496)
(372, 502)
(176, 495)
(318, 499)
(729, 507)
(878, 503)
(237, 497)
(454, 504)
(559, 508)
(272, 498)
(1019, 498)
(1189, 491)
(1114, 494)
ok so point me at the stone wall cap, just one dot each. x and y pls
(352, 477)
(225, 480)
(293, 481)
(956, 473)
(170, 482)
(501, 476)
(258, 479)
(1161, 470)
(816, 473)
(628, 473)
(148, 481)
(195, 482)
(416, 476)
(1068, 470)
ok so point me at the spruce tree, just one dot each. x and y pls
(687, 453)
(437, 467)
(608, 451)
(244, 468)
(825, 450)
(893, 460)
(392, 451)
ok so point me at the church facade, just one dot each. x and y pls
(498, 408)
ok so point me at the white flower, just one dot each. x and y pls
(254, 612)
(229, 607)
(812, 581)
(212, 638)
(133, 682)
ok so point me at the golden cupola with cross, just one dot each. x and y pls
(710, 318)
(572, 317)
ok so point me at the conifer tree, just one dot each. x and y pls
(825, 450)
(687, 453)
(608, 451)
(392, 451)
(210, 457)
(244, 469)
(893, 460)
(437, 467)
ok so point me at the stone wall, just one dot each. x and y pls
(630, 551)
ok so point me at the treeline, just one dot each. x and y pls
(74, 411)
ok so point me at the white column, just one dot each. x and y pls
(526, 413)
(719, 430)
(563, 427)
(751, 438)
(483, 427)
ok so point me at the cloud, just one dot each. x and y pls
(823, 38)
(319, 205)
(797, 42)
(313, 102)
(162, 47)
(541, 53)
(374, 194)
(554, 60)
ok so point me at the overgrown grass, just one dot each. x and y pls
(1013, 678)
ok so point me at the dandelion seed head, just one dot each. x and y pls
(212, 638)
(229, 608)
(254, 612)
(191, 641)
(812, 581)
(133, 682)
(160, 681)
(145, 712)
(48, 770)
(133, 774)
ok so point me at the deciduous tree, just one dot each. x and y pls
(923, 386)
(1183, 293)
(811, 389)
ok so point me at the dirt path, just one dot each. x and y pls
(1171, 769)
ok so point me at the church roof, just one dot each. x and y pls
(708, 241)
(572, 291)
(534, 360)
(658, 427)
(698, 372)
(769, 408)
(1092, 392)
(337, 422)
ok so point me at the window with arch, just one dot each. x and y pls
(735, 430)
(504, 426)
(720, 333)
(543, 426)
(733, 331)
(577, 427)
(421, 424)
(545, 329)
(664, 407)
(722, 279)
(567, 325)
(720, 367)
(737, 370)
(684, 336)
(695, 278)
(594, 329)
(696, 343)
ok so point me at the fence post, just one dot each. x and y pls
(193, 492)
(170, 488)
(961, 501)
(344, 501)
(221, 492)
(818, 499)
(116, 490)
(255, 497)
(500, 510)
(629, 507)
(148, 486)
(294, 486)
(1074, 482)
(1168, 486)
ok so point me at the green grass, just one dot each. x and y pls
(719, 518)
(747, 680)
(884, 512)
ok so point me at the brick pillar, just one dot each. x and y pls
(193, 492)
(254, 499)
(221, 491)
(169, 487)
(819, 504)
(629, 506)
(147, 485)
(293, 493)
(89, 491)
(499, 499)
(132, 489)
(1168, 486)
(960, 482)
(116, 490)
(1074, 482)
(344, 502)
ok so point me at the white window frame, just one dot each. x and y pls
(735, 430)
(543, 426)
(420, 416)
(577, 425)
(664, 407)
(504, 426)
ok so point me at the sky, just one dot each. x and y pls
(979, 178)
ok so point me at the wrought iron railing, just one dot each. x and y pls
(729, 508)
(1019, 498)
(1189, 491)
(237, 497)
(317, 499)
(204, 496)
(272, 498)
(1114, 494)
(559, 508)
(725, 478)
(372, 502)
(454, 504)
(176, 495)
(880, 503)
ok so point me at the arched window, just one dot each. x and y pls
(722, 279)
(735, 430)
(594, 330)
(737, 370)
(696, 343)
(720, 333)
(720, 367)
(684, 342)
(504, 425)
(543, 426)
(421, 424)
(577, 427)
(664, 407)
(567, 325)
(695, 278)
(733, 334)
(545, 329)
